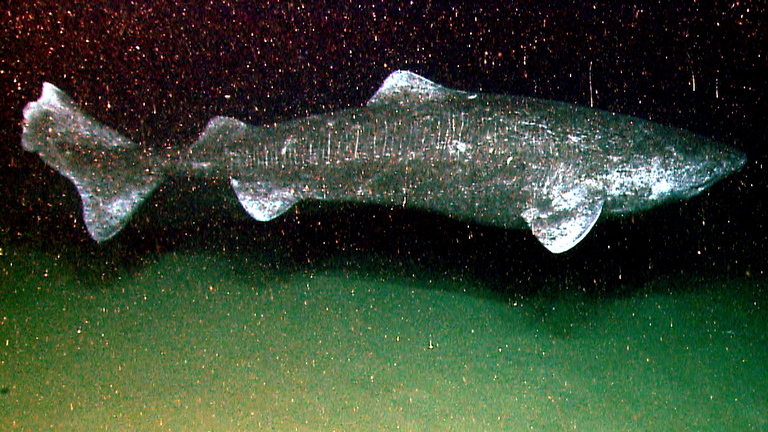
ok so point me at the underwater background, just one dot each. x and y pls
(349, 317)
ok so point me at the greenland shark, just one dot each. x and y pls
(488, 158)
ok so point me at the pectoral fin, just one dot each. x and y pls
(561, 225)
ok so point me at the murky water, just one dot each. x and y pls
(193, 341)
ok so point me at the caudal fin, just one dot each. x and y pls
(111, 173)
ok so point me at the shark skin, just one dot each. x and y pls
(494, 159)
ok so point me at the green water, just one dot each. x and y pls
(197, 341)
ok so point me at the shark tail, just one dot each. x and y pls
(111, 173)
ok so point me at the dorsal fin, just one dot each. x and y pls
(407, 88)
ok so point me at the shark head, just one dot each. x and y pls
(665, 164)
(626, 165)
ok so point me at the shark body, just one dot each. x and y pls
(493, 159)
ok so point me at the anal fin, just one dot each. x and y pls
(263, 200)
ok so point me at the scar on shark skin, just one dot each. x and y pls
(501, 160)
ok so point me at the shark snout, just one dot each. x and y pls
(734, 161)
(721, 161)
